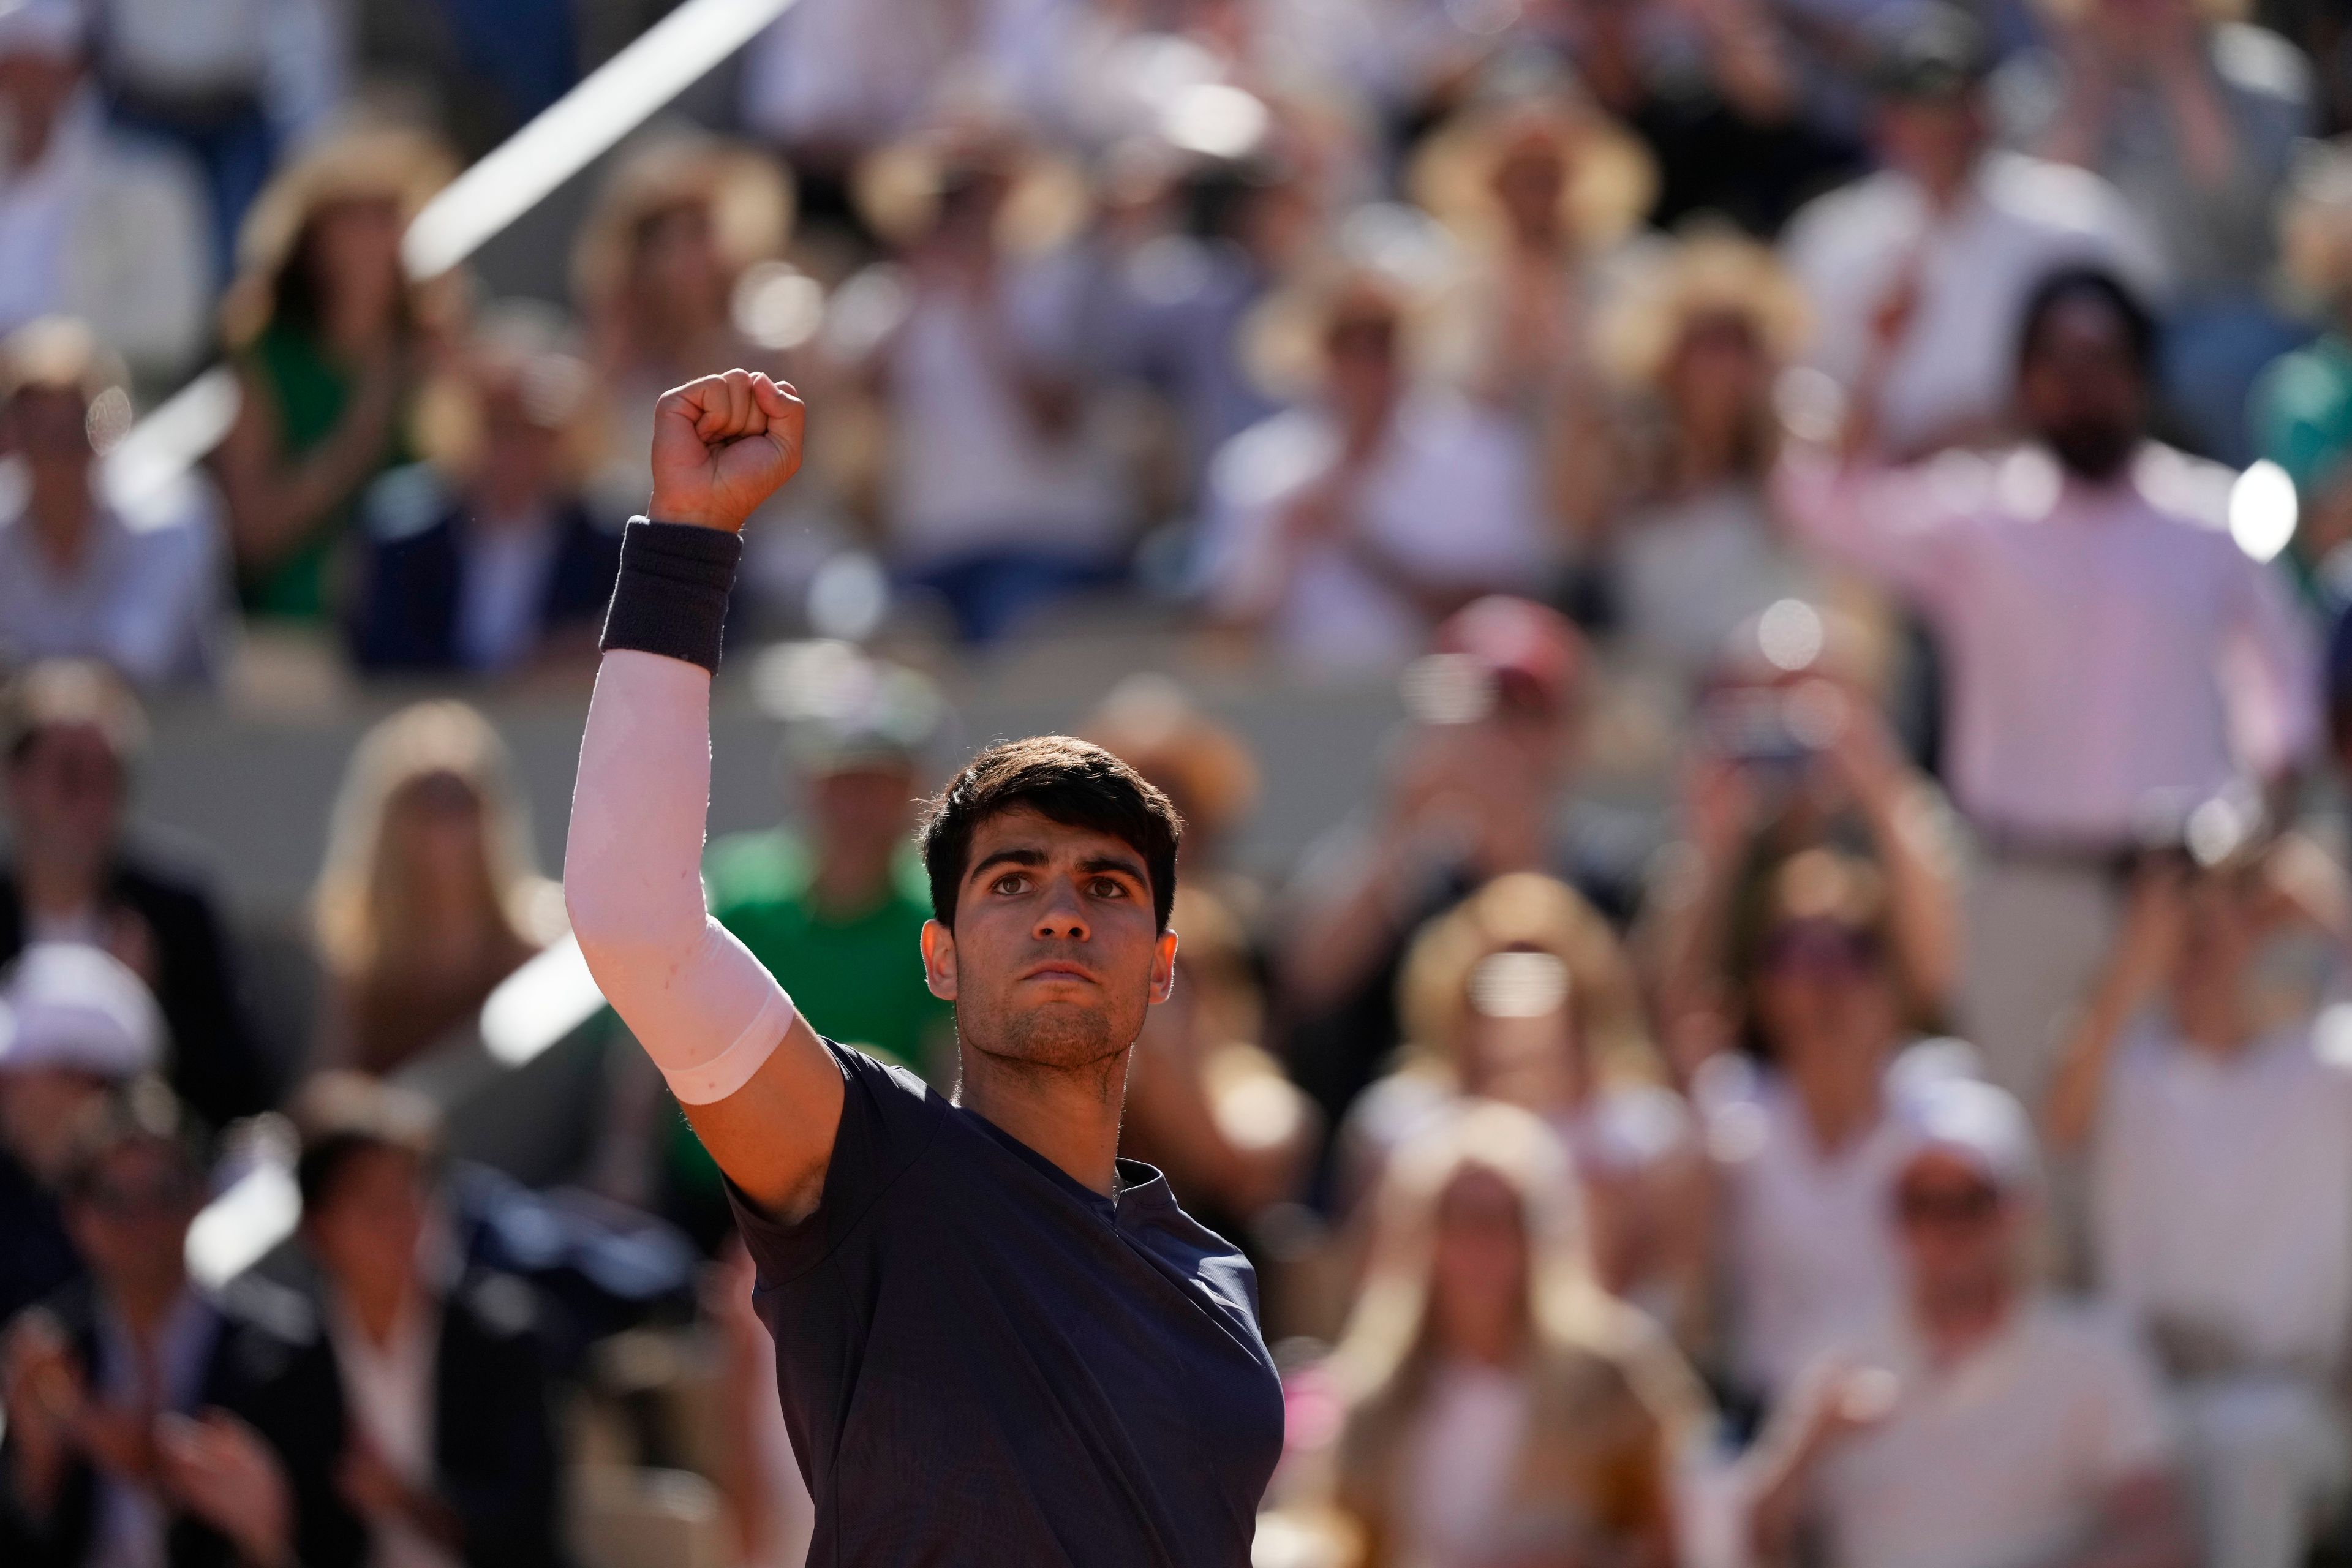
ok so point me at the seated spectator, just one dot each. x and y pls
(149, 1422)
(2195, 120)
(329, 339)
(1206, 771)
(1805, 1140)
(1001, 492)
(427, 899)
(72, 737)
(2299, 413)
(654, 274)
(2114, 657)
(80, 576)
(1499, 1405)
(485, 558)
(1473, 788)
(96, 225)
(1919, 273)
(1686, 547)
(446, 1448)
(1346, 527)
(1521, 996)
(1977, 1420)
(73, 1024)
(2221, 1181)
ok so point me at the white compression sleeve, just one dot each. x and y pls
(706, 1010)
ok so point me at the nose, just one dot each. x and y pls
(1064, 916)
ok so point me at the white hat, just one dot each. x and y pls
(51, 27)
(70, 1005)
(1975, 1122)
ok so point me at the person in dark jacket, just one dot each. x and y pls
(71, 738)
(447, 1455)
(150, 1422)
(484, 558)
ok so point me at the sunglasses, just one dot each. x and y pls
(139, 1200)
(1819, 947)
(1946, 1207)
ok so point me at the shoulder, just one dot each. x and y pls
(140, 171)
(2087, 1343)
(2051, 195)
(405, 506)
(1853, 213)
(2181, 489)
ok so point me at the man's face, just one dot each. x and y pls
(1959, 1231)
(869, 808)
(66, 796)
(131, 1222)
(48, 427)
(2081, 389)
(34, 87)
(1055, 953)
(1934, 140)
(367, 1224)
(38, 1108)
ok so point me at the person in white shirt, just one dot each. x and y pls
(1952, 236)
(137, 582)
(94, 224)
(2222, 1184)
(2113, 656)
(1346, 527)
(1978, 1424)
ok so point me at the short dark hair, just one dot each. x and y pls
(342, 1115)
(1063, 780)
(2097, 285)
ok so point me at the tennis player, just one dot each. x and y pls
(997, 1343)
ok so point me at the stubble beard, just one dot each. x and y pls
(1061, 1041)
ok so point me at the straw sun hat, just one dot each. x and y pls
(899, 187)
(1610, 181)
(749, 198)
(1708, 274)
(360, 163)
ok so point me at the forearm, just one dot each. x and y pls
(1923, 904)
(2080, 1082)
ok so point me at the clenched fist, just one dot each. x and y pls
(723, 444)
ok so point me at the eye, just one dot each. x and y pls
(1109, 888)
(1009, 884)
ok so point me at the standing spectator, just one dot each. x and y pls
(1206, 771)
(81, 575)
(1347, 526)
(447, 1450)
(2114, 657)
(2221, 1161)
(2194, 122)
(654, 273)
(1499, 1405)
(1978, 1421)
(72, 738)
(2299, 414)
(93, 224)
(485, 557)
(329, 338)
(73, 1024)
(1945, 243)
(1001, 491)
(149, 1422)
(427, 899)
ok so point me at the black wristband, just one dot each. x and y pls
(671, 595)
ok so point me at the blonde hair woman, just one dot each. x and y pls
(428, 898)
(1499, 1406)
(1522, 994)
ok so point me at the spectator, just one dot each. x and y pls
(427, 899)
(147, 1423)
(1521, 996)
(1806, 1144)
(1001, 491)
(81, 574)
(1205, 770)
(1687, 548)
(2299, 414)
(654, 274)
(448, 1451)
(93, 224)
(2221, 1161)
(1347, 526)
(73, 1023)
(1474, 789)
(2114, 657)
(1919, 273)
(73, 736)
(1978, 1421)
(486, 558)
(1500, 1405)
(2195, 121)
(329, 339)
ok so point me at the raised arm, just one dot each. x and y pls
(755, 1081)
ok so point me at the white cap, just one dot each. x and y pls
(1975, 1122)
(51, 27)
(70, 1005)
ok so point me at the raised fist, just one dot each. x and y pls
(723, 444)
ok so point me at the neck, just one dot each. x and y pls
(59, 510)
(849, 881)
(56, 889)
(1956, 1322)
(2210, 1019)
(1946, 189)
(1838, 1107)
(376, 1305)
(1070, 1115)
(146, 1304)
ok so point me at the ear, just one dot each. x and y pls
(939, 960)
(1163, 968)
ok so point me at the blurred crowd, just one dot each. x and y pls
(1830, 1044)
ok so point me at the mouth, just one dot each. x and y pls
(1062, 973)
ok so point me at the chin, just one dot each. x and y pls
(1059, 1034)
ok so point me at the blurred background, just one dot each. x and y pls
(1741, 598)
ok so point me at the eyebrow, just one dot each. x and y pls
(1124, 864)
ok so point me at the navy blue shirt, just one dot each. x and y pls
(983, 1362)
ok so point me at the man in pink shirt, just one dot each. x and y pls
(2113, 659)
